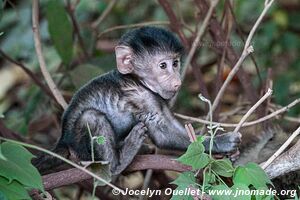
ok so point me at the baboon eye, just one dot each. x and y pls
(163, 65)
(175, 63)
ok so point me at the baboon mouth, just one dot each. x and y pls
(170, 93)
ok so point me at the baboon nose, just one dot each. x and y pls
(177, 85)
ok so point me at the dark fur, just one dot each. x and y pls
(152, 40)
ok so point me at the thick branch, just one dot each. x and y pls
(285, 163)
(74, 175)
(281, 149)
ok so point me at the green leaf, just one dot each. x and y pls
(1, 115)
(210, 178)
(60, 29)
(18, 166)
(281, 18)
(195, 156)
(251, 174)
(101, 139)
(200, 138)
(222, 167)
(12, 190)
(183, 181)
(1, 9)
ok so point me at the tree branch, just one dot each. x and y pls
(141, 162)
(281, 149)
(285, 163)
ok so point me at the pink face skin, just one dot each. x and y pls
(159, 72)
(163, 76)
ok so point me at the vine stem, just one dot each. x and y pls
(92, 142)
(38, 48)
(63, 159)
(93, 158)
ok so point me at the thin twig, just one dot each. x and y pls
(70, 10)
(240, 33)
(281, 149)
(37, 42)
(251, 123)
(199, 36)
(29, 73)
(98, 21)
(132, 26)
(147, 180)
(174, 22)
(251, 110)
(221, 64)
(182, 21)
(230, 77)
(292, 119)
(191, 132)
(247, 50)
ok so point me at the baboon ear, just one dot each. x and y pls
(123, 58)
